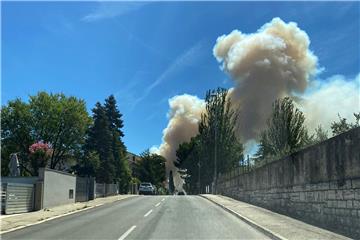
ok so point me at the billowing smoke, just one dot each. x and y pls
(273, 62)
(325, 99)
(184, 116)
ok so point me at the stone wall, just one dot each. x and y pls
(319, 185)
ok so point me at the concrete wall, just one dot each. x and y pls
(319, 185)
(57, 187)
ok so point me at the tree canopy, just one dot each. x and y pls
(151, 168)
(55, 119)
(285, 131)
(216, 138)
(104, 154)
(342, 125)
(320, 134)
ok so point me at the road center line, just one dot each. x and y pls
(127, 233)
(157, 204)
(148, 213)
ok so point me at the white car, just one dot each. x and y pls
(146, 189)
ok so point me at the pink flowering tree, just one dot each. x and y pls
(40, 153)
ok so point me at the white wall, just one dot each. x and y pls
(56, 187)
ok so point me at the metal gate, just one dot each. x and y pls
(111, 189)
(3, 198)
(100, 190)
(17, 198)
(84, 189)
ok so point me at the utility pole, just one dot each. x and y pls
(214, 96)
(248, 163)
(199, 165)
(215, 157)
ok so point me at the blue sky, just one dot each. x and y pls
(145, 53)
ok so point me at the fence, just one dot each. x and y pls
(133, 188)
(111, 189)
(99, 190)
(17, 198)
(3, 197)
(104, 190)
(84, 189)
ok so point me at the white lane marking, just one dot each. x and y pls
(127, 233)
(157, 204)
(148, 213)
(162, 199)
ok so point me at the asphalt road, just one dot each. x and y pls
(145, 217)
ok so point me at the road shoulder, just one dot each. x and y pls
(17, 221)
(274, 225)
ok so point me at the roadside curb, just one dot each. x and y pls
(260, 228)
(62, 215)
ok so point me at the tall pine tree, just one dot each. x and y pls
(122, 170)
(100, 140)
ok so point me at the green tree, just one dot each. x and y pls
(285, 131)
(114, 115)
(122, 169)
(342, 125)
(216, 138)
(217, 133)
(320, 134)
(55, 119)
(61, 121)
(188, 161)
(123, 175)
(16, 137)
(88, 164)
(100, 140)
(151, 168)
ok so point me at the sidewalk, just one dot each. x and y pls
(274, 225)
(17, 221)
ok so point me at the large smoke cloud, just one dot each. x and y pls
(273, 62)
(184, 116)
(325, 99)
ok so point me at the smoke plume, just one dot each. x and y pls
(325, 99)
(184, 116)
(273, 62)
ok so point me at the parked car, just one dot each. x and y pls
(146, 189)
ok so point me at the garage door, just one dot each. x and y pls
(19, 198)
